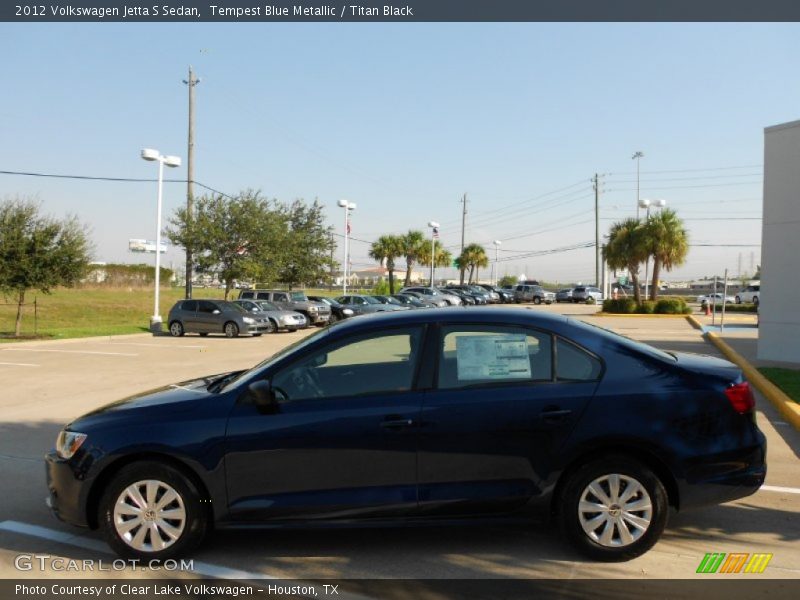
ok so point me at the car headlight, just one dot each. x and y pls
(248, 320)
(347, 311)
(68, 442)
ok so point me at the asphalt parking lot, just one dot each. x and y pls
(44, 385)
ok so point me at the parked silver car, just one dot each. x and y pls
(435, 295)
(364, 305)
(564, 295)
(533, 293)
(582, 293)
(214, 316)
(286, 320)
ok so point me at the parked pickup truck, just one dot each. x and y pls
(316, 313)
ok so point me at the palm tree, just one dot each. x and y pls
(414, 244)
(667, 242)
(443, 257)
(626, 249)
(385, 250)
(472, 257)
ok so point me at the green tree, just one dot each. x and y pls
(38, 252)
(307, 245)
(443, 257)
(236, 238)
(413, 244)
(627, 249)
(507, 280)
(473, 257)
(667, 242)
(386, 249)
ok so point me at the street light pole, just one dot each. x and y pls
(434, 232)
(347, 206)
(171, 161)
(637, 156)
(494, 270)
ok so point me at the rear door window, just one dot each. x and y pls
(206, 306)
(575, 364)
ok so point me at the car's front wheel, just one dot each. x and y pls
(176, 329)
(613, 509)
(152, 511)
(231, 329)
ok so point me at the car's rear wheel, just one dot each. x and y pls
(613, 509)
(537, 300)
(738, 300)
(204, 334)
(152, 511)
(176, 329)
(231, 329)
(272, 326)
(755, 300)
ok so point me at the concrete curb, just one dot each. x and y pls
(694, 322)
(96, 338)
(639, 315)
(785, 405)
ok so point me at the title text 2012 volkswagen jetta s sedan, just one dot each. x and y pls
(420, 416)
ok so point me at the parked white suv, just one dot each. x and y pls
(749, 294)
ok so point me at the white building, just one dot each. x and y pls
(779, 312)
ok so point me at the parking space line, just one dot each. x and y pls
(19, 364)
(199, 567)
(777, 488)
(156, 345)
(68, 351)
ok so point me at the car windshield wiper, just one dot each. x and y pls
(219, 383)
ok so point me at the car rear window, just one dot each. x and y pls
(624, 340)
(299, 296)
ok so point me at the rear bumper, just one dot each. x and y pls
(724, 477)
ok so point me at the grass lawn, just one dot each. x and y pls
(84, 312)
(786, 379)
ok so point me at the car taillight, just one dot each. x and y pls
(741, 397)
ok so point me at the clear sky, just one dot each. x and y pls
(403, 119)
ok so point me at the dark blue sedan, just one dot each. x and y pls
(420, 416)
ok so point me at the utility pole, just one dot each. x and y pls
(330, 285)
(463, 228)
(191, 82)
(596, 181)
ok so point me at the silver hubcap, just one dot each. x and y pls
(230, 329)
(176, 329)
(149, 515)
(615, 510)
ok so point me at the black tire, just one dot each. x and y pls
(738, 300)
(537, 300)
(231, 329)
(257, 334)
(615, 548)
(333, 319)
(308, 321)
(204, 334)
(195, 517)
(176, 329)
(273, 326)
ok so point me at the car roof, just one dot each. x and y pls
(455, 314)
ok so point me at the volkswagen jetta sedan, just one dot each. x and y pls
(420, 416)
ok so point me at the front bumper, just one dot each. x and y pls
(67, 491)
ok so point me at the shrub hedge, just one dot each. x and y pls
(664, 306)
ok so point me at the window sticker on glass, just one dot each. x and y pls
(492, 357)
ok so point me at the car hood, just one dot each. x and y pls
(176, 396)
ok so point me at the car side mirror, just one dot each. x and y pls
(263, 397)
(254, 309)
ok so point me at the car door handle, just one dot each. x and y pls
(554, 416)
(396, 423)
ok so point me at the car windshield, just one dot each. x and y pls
(233, 306)
(298, 296)
(625, 341)
(391, 300)
(266, 305)
(324, 300)
(371, 300)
